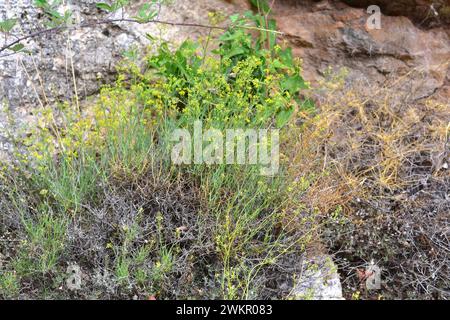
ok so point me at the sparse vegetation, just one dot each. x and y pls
(94, 208)
(97, 188)
(386, 156)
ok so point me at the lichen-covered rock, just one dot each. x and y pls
(82, 59)
(73, 64)
(319, 280)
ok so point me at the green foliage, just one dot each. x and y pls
(252, 85)
(45, 242)
(147, 12)
(114, 6)
(162, 267)
(7, 25)
(9, 285)
(71, 182)
(248, 85)
(55, 18)
(261, 5)
(120, 149)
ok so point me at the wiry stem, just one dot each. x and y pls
(88, 24)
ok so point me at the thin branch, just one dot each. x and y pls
(88, 24)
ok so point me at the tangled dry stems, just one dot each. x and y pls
(388, 157)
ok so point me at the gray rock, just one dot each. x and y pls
(318, 280)
(47, 75)
(73, 64)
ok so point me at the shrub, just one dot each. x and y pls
(100, 189)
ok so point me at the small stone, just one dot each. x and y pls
(319, 280)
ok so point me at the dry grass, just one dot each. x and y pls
(381, 159)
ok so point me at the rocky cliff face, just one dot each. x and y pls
(323, 34)
(74, 64)
(329, 33)
(426, 13)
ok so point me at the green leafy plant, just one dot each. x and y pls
(114, 6)
(261, 5)
(237, 43)
(7, 25)
(200, 231)
(147, 12)
(55, 18)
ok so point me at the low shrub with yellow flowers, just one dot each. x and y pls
(103, 175)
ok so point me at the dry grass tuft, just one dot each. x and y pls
(382, 159)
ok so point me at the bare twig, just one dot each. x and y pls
(89, 24)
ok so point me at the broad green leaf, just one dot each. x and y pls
(284, 116)
(262, 5)
(7, 25)
(293, 84)
(287, 57)
(17, 47)
(277, 64)
(104, 6)
(234, 18)
(228, 36)
(234, 52)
